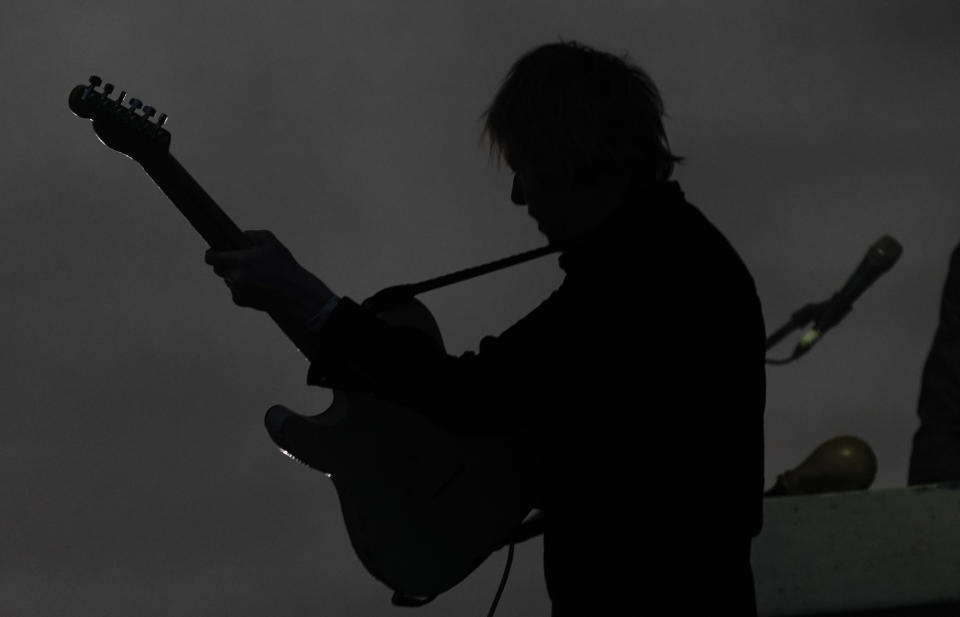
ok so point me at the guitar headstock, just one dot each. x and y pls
(120, 126)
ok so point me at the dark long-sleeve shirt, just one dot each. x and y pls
(936, 444)
(645, 373)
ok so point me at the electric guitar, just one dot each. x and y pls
(423, 508)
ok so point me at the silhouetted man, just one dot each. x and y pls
(644, 370)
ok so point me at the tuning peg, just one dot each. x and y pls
(159, 124)
(123, 95)
(94, 82)
(135, 104)
(148, 111)
(107, 89)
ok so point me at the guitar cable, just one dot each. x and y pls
(529, 528)
(503, 581)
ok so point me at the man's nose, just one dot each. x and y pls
(516, 195)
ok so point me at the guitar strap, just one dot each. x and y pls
(398, 294)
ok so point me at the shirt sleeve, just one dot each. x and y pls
(318, 320)
(484, 392)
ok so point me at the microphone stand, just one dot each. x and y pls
(799, 319)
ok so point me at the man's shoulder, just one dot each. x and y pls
(705, 245)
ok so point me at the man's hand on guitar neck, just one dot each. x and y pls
(266, 277)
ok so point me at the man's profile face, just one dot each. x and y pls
(540, 192)
(562, 213)
(529, 191)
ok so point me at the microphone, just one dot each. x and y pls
(882, 255)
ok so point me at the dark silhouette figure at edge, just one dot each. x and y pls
(936, 444)
(644, 370)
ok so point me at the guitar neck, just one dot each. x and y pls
(213, 224)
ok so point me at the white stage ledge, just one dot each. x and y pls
(879, 552)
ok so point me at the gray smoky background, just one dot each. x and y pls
(137, 476)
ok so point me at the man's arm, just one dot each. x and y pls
(490, 391)
(266, 277)
(352, 348)
(318, 320)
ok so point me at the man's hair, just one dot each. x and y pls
(581, 115)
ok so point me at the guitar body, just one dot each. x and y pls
(423, 508)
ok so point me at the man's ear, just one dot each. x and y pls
(516, 195)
